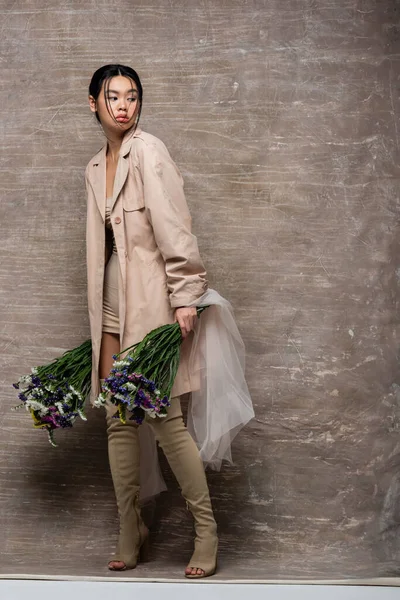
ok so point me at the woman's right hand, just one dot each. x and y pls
(186, 316)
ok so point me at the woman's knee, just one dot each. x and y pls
(173, 420)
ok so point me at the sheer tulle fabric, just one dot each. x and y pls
(220, 401)
(220, 405)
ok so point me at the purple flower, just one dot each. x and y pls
(165, 401)
(50, 419)
(137, 416)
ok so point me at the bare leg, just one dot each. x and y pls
(109, 346)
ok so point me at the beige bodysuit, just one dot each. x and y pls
(111, 283)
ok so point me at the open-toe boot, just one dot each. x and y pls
(204, 556)
(123, 451)
(184, 459)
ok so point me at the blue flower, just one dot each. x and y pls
(64, 421)
(165, 401)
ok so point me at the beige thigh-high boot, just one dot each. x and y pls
(184, 459)
(123, 452)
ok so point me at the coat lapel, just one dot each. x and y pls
(120, 178)
(98, 180)
(123, 164)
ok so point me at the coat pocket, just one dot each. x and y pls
(133, 194)
(131, 203)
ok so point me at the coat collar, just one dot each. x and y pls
(97, 173)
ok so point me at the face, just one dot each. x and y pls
(118, 106)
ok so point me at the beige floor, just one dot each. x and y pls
(99, 590)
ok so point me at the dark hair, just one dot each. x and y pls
(107, 72)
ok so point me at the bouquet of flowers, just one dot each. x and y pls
(141, 381)
(55, 393)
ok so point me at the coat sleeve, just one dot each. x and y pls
(168, 213)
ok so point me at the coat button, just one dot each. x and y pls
(117, 220)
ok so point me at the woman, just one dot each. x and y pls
(144, 269)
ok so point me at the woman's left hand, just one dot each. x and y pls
(186, 316)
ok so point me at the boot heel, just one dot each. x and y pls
(144, 552)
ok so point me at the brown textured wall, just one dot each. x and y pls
(283, 118)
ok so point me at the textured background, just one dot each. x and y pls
(283, 118)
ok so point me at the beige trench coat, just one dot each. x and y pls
(160, 264)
